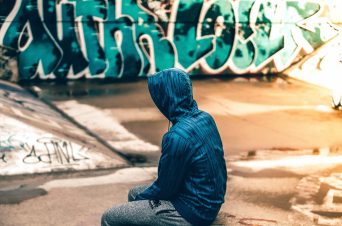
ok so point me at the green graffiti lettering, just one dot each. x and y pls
(266, 46)
(28, 34)
(64, 32)
(123, 52)
(244, 11)
(190, 47)
(300, 32)
(71, 39)
(158, 52)
(220, 21)
(91, 14)
(244, 51)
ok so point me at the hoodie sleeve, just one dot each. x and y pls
(171, 169)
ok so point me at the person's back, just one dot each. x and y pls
(205, 185)
(192, 172)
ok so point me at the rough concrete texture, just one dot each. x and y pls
(35, 138)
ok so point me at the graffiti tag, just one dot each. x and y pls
(45, 150)
(62, 152)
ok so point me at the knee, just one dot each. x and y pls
(134, 192)
(105, 219)
(131, 195)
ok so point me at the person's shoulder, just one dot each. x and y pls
(176, 138)
(178, 131)
(205, 114)
(208, 117)
(174, 133)
(185, 129)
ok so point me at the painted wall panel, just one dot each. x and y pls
(73, 39)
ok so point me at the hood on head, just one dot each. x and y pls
(171, 91)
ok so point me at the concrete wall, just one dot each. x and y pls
(72, 39)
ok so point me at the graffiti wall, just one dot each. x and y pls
(72, 39)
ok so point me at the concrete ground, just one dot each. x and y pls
(250, 114)
(281, 138)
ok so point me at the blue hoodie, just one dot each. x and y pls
(192, 171)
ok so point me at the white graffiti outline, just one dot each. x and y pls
(8, 20)
(30, 39)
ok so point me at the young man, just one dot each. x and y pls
(192, 174)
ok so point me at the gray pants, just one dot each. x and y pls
(143, 212)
